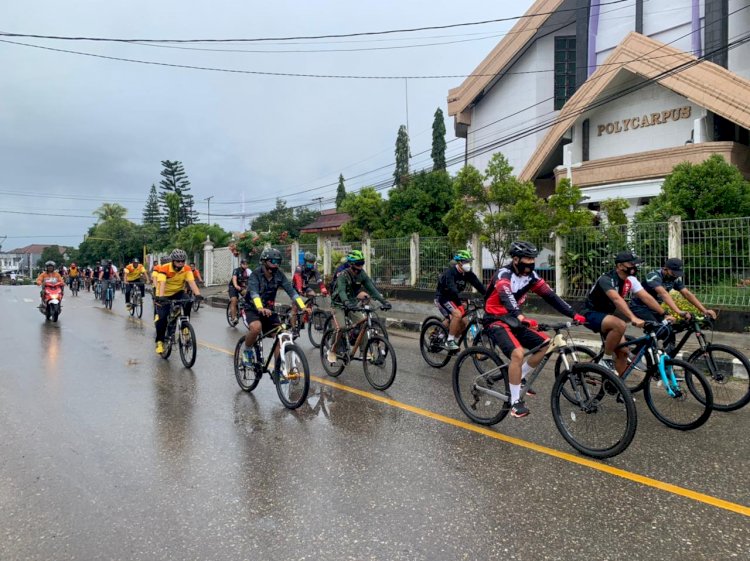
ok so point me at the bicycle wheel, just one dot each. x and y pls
(315, 327)
(728, 372)
(480, 384)
(432, 337)
(197, 304)
(332, 369)
(600, 424)
(138, 306)
(691, 404)
(294, 381)
(379, 362)
(133, 303)
(378, 326)
(568, 356)
(167, 346)
(188, 344)
(245, 373)
(230, 321)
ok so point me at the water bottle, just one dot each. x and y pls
(473, 331)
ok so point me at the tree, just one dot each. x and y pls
(176, 181)
(173, 202)
(151, 213)
(438, 141)
(191, 238)
(565, 209)
(284, 219)
(498, 212)
(51, 253)
(340, 192)
(419, 206)
(401, 173)
(110, 211)
(711, 189)
(367, 209)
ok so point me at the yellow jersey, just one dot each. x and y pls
(73, 272)
(175, 280)
(132, 273)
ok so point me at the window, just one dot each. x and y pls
(565, 69)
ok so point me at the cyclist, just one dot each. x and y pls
(658, 283)
(606, 297)
(170, 285)
(237, 286)
(353, 283)
(135, 274)
(196, 273)
(108, 275)
(451, 284)
(262, 286)
(63, 270)
(73, 273)
(49, 274)
(508, 327)
(304, 278)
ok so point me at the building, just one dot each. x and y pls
(30, 256)
(327, 226)
(10, 263)
(611, 95)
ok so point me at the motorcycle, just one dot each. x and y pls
(52, 293)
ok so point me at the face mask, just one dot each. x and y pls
(525, 269)
(466, 267)
(632, 271)
(177, 267)
(309, 265)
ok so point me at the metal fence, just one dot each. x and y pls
(390, 262)
(434, 255)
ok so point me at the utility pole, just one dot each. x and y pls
(208, 199)
(320, 203)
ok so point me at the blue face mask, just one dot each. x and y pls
(308, 265)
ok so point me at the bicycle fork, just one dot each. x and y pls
(668, 378)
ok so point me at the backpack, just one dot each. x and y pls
(337, 273)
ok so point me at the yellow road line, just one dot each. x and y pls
(630, 476)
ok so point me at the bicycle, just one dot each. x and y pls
(668, 383)
(97, 290)
(186, 339)
(87, 284)
(434, 335)
(75, 286)
(136, 301)
(317, 322)
(376, 352)
(293, 382)
(109, 296)
(593, 410)
(241, 307)
(197, 303)
(377, 324)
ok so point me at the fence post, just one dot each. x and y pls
(476, 250)
(414, 259)
(294, 257)
(208, 261)
(368, 258)
(561, 281)
(675, 237)
(327, 257)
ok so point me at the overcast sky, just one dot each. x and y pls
(89, 128)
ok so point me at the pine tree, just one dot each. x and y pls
(438, 141)
(401, 173)
(176, 181)
(151, 212)
(340, 192)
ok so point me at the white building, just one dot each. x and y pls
(10, 263)
(613, 95)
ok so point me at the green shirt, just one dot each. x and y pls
(349, 284)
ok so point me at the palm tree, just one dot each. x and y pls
(110, 211)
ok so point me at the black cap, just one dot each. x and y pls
(627, 256)
(674, 265)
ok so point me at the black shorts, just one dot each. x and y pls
(267, 323)
(645, 313)
(233, 292)
(508, 340)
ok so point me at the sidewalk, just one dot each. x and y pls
(408, 315)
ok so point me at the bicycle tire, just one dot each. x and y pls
(167, 347)
(337, 367)
(379, 352)
(431, 339)
(133, 303)
(230, 321)
(612, 411)
(139, 306)
(246, 376)
(188, 345)
(695, 385)
(316, 326)
(197, 304)
(730, 391)
(469, 379)
(293, 392)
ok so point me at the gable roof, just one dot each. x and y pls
(460, 98)
(36, 248)
(328, 221)
(706, 84)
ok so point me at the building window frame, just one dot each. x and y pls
(564, 69)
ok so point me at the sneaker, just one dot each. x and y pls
(277, 375)
(186, 332)
(159, 347)
(128, 306)
(519, 409)
(247, 357)
(607, 363)
(451, 345)
(331, 356)
(529, 391)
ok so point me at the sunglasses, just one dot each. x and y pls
(183, 262)
(358, 263)
(275, 261)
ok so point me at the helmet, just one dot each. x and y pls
(310, 257)
(463, 255)
(523, 249)
(49, 264)
(136, 261)
(270, 253)
(178, 255)
(354, 256)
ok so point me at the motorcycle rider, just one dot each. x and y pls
(49, 275)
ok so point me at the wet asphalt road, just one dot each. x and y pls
(110, 452)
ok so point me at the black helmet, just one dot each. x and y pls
(271, 253)
(523, 249)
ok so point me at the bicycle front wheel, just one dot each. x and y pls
(600, 421)
(244, 372)
(293, 383)
(728, 372)
(315, 327)
(188, 344)
(230, 321)
(685, 403)
(379, 361)
(138, 306)
(480, 384)
(567, 357)
(432, 339)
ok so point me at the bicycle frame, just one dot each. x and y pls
(283, 336)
